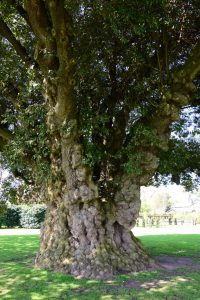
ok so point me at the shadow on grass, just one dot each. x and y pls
(20, 281)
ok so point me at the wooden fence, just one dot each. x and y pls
(164, 220)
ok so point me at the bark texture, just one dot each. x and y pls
(88, 239)
(83, 235)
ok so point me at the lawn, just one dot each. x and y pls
(20, 281)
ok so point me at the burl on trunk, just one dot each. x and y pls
(83, 235)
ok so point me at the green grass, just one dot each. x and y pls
(20, 281)
(174, 244)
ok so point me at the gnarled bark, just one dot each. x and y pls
(88, 239)
(83, 235)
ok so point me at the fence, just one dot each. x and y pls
(165, 220)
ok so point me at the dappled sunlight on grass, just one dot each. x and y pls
(14, 247)
(141, 275)
(26, 280)
(175, 288)
(40, 284)
(21, 281)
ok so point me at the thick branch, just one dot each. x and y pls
(159, 120)
(39, 21)
(192, 66)
(179, 94)
(7, 33)
(61, 30)
(6, 134)
(10, 92)
(182, 87)
(45, 52)
(20, 9)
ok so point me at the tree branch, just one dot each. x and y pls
(177, 96)
(10, 92)
(39, 21)
(20, 9)
(61, 28)
(192, 66)
(7, 33)
(41, 25)
(182, 86)
(6, 134)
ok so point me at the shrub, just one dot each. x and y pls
(3, 209)
(21, 215)
(32, 216)
(12, 216)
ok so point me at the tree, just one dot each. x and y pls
(155, 201)
(136, 66)
(181, 162)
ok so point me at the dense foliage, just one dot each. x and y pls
(24, 216)
(125, 54)
(181, 163)
(32, 216)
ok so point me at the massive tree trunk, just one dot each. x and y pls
(86, 237)
(84, 234)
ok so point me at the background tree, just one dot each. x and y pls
(134, 67)
(180, 164)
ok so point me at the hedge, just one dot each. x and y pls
(22, 215)
(3, 211)
(32, 216)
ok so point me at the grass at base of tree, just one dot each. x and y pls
(20, 281)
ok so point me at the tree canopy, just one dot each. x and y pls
(125, 57)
